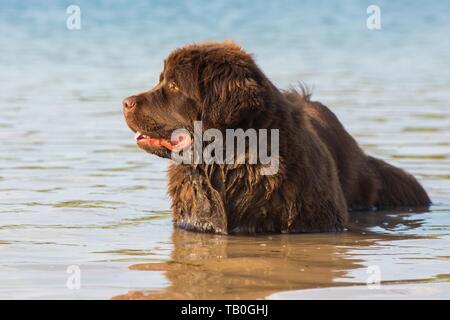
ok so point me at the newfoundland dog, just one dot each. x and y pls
(322, 173)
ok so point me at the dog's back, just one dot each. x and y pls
(366, 181)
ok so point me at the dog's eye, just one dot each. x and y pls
(173, 87)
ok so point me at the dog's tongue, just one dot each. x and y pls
(178, 142)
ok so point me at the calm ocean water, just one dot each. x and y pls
(76, 191)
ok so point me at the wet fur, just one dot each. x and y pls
(323, 172)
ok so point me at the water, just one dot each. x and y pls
(76, 191)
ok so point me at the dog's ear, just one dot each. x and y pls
(231, 93)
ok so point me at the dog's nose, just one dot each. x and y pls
(129, 103)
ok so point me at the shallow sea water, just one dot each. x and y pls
(75, 191)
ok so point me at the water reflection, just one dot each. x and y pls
(395, 221)
(204, 266)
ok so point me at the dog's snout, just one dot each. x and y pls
(129, 103)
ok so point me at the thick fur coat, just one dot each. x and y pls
(323, 173)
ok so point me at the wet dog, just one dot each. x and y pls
(322, 171)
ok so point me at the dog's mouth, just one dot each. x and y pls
(176, 143)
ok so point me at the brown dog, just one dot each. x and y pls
(322, 171)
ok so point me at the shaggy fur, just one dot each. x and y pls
(323, 173)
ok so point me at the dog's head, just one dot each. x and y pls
(215, 82)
